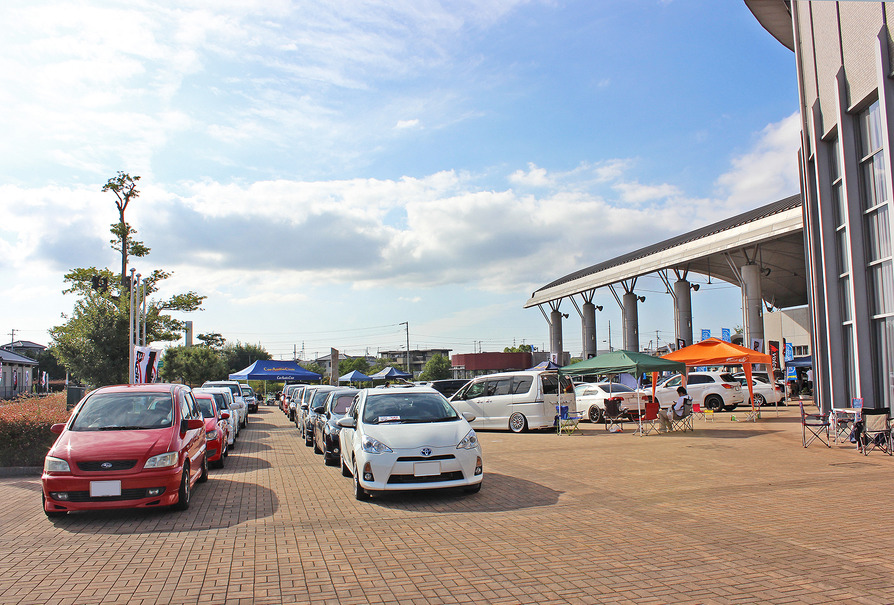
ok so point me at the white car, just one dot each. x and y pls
(238, 400)
(764, 392)
(715, 391)
(223, 397)
(590, 398)
(408, 438)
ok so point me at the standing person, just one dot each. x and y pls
(675, 409)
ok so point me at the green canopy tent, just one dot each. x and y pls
(619, 362)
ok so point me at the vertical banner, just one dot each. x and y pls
(789, 352)
(774, 353)
(706, 334)
(145, 366)
(725, 335)
(681, 344)
(757, 344)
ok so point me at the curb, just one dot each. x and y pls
(20, 471)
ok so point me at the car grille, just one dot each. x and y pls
(425, 458)
(96, 465)
(451, 476)
(126, 494)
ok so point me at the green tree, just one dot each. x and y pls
(125, 189)
(315, 367)
(239, 356)
(519, 349)
(193, 365)
(437, 368)
(353, 363)
(213, 340)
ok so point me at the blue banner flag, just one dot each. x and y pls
(706, 334)
(725, 335)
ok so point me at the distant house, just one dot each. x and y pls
(418, 358)
(24, 347)
(15, 374)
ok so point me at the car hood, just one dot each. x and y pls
(112, 445)
(411, 436)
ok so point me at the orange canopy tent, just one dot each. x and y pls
(716, 352)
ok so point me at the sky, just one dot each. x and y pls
(330, 174)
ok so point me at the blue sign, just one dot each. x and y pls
(725, 335)
(791, 373)
(706, 334)
(789, 352)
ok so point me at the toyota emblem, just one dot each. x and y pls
(426, 451)
(106, 465)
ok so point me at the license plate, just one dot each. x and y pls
(426, 469)
(99, 489)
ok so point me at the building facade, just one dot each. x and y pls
(843, 58)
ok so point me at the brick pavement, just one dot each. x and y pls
(733, 513)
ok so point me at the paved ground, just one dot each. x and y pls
(735, 512)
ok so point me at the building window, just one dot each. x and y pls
(877, 233)
(842, 253)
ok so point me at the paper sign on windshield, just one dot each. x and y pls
(389, 418)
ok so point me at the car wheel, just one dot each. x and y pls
(714, 403)
(51, 514)
(317, 449)
(518, 423)
(203, 477)
(308, 438)
(345, 471)
(183, 492)
(594, 414)
(759, 400)
(359, 492)
(473, 489)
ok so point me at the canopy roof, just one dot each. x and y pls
(714, 351)
(800, 362)
(354, 376)
(622, 361)
(274, 370)
(545, 365)
(390, 372)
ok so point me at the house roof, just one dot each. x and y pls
(15, 358)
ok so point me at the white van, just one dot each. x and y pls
(515, 400)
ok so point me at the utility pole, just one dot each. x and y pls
(407, 324)
(12, 335)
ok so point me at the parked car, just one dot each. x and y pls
(408, 439)
(270, 399)
(313, 397)
(590, 398)
(294, 398)
(285, 402)
(238, 399)
(251, 402)
(325, 427)
(223, 397)
(448, 386)
(517, 401)
(127, 446)
(764, 392)
(715, 391)
(215, 429)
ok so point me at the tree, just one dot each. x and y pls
(353, 363)
(519, 349)
(437, 368)
(240, 356)
(193, 365)
(213, 340)
(125, 189)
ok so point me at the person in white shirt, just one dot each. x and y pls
(676, 409)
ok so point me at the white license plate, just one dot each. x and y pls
(105, 488)
(426, 469)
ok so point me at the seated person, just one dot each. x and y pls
(674, 411)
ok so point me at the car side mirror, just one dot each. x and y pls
(224, 415)
(57, 428)
(469, 416)
(191, 424)
(303, 406)
(319, 410)
(347, 422)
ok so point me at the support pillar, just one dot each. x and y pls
(588, 322)
(631, 322)
(753, 303)
(555, 336)
(683, 311)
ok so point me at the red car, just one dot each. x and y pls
(215, 432)
(128, 446)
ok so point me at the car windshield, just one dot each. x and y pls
(205, 406)
(615, 387)
(247, 392)
(407, 407)
(319, 399)
(124, 411)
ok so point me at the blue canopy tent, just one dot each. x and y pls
(354, 376)
(276, 371)
(390, 372)
(545, 365)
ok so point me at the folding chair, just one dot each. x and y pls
(614, 415)
(566, 422)
(649, 422)
(684, 422)
(876, 433)
(697, 412)
(815, 424)
(842, 424)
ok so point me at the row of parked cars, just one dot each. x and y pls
(142, 446)
(404, 437)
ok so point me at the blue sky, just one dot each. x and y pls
(326, 171)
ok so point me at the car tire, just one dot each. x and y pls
(183, 492)
(51, 514)
(595, 414)
(308, 438)
(474, 489)
(345, 470)
(714, 403)
(359, 492)
(759, 400)
(518, 423)
(203, 477)
(317, 449)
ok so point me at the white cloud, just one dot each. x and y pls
(404, 124)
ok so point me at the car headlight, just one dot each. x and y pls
(162, 460)
(212, 435)
(56, 465)
(373, 446)
(469, 442)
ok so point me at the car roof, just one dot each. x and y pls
(155, 387)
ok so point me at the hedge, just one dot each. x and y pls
(25, 423)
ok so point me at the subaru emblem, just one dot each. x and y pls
(426, 451)
(106, 465)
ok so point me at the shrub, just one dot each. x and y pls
(25, 423)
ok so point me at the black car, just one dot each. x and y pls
(448, 386)
(305, 416)
(325, 429)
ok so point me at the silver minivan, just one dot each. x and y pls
(517, 401)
